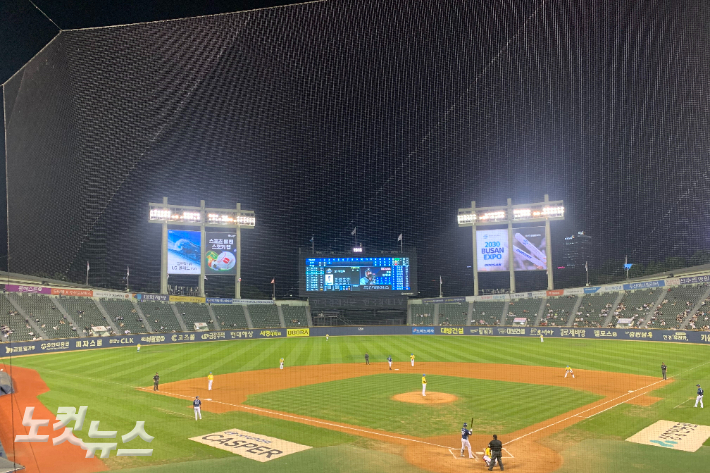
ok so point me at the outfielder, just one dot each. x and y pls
(389, 360)
(464, 440)
(138, 348)
(424, 384)
(542, 340)
(699, 399)
(196, 407)
(281, 364)
(326, 337)
(411, 357)
(568, 370)
(210, 378)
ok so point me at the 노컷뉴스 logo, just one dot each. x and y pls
(66, 415)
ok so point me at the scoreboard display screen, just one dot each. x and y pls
(357, 274)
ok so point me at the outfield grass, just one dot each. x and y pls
(105, 380)
(366, 401)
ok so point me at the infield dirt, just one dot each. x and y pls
(438, 454)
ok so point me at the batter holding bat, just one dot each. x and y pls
(464, 439)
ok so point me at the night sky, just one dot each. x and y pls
(385, 115)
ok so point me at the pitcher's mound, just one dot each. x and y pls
(431, 398)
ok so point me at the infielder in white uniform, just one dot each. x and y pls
(464, 440)
(196, 406)
(424, 384)
(699, 399)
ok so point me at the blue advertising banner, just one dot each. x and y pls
(643, 285)
(695, 280)
(152, 297)
(591, 290)
(423, 330)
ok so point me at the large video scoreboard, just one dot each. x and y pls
(367, 275)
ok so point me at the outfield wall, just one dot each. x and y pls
(72, 344)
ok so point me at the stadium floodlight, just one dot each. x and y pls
(200, 217)
(545, 211)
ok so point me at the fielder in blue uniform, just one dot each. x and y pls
(464, 440)
(699, 399)
(196, 405)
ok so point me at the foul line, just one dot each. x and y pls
(689, 399)
(606, 402)
(307, 420)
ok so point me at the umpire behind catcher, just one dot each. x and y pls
(496, 446)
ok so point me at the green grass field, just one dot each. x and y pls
(105, 380)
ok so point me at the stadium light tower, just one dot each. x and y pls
(202, 217)
(545, 211)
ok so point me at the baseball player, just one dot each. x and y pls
(389, 360)
(367, 359)
(464, 440)
(663, 370)
(210, 378)
(196, 404)
(487, 456)
(699, 399)
(542, 339)
(281, 363)
(411, 357)
(156, 380)
(138, 348)
(568, 370)
(326, 337)
(424, 384)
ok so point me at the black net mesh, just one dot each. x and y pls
(385, 115)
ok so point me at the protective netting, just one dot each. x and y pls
(385, 115)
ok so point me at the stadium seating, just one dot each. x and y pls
(558, 309)
(264, 316)
(422, 314)
(488, 312)
(16, 323)
(230, 316)
(594, 309)
(295, 316)
(124, 315)
(193, 313)
(679, 301)
(85, 313)
(453, 314)
(42, 310)
(636, 305)
(701, 319)
(160, 316)
(526, 308)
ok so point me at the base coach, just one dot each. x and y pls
(496, 446)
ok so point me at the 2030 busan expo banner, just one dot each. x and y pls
(492, 249)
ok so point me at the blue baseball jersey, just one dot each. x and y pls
(465, 433)
(389, 358)
(196, 403)
(700, 391)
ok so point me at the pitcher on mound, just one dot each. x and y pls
(424, 384)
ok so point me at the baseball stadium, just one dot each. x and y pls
(355, 236)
